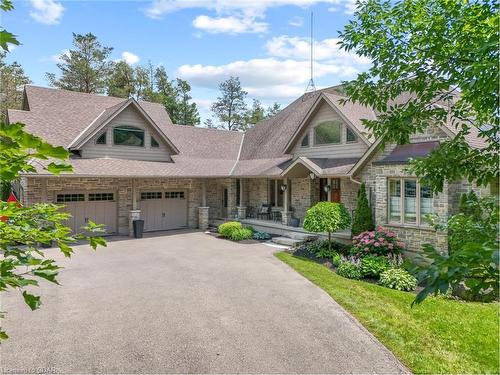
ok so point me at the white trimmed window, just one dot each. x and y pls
(409, 201)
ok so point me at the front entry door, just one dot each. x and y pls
(335, 190)
(225, 202)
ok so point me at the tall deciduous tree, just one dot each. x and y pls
(12, 80)
(230, 106)
(445, 54)
(85, 68)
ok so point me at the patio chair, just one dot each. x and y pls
(264, 211)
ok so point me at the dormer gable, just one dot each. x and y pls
(110, 114)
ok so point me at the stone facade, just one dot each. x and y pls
(45, 189)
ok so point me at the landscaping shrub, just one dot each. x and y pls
(261, 236)
(373, 266)
(240, 234)
(336, 259)
(327, 217)
(398, 278)
(381, 241)
(349, 270)
(362, 219)
(324, 249)
(470, 267)
(226, 229)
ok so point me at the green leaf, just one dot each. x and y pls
(7, 38)
(32, 301)
(59, 168)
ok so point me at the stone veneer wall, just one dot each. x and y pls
(39, 189)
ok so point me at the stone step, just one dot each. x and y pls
(300, 236)
(286, 241)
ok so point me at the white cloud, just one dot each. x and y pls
(230, 24)
(158, 8)
(48, 12)
(296, 21)
(264, 78)
(130, 58)
(285, 46)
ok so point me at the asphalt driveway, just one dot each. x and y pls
(185, 303)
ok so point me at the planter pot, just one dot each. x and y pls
(294, 222)
(138, 228)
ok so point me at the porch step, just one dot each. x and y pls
(286, 241)
(300, 236)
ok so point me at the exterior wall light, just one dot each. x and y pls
(283, 187)
(327, 188)
(312, 175)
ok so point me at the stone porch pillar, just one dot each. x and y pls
(242, 212)
(133, 215)
(286, 214)
(203, 218)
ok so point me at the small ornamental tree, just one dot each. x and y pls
(362, 219)
(327, 217)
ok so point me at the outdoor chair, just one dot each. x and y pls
(264, 212)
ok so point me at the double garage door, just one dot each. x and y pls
(99, 207)
(163, 210)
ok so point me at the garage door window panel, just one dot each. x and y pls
(62, 198)
(101, 197)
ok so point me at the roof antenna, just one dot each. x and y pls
(311, 87)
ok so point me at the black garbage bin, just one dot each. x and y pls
(138, 228)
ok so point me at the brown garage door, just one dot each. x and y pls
(99, 207)
(163, 210)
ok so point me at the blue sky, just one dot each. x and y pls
(264, 42)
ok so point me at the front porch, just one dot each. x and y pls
(279, 229)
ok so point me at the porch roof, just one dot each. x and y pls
(322, 167)
(402, 153)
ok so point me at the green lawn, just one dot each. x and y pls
(438, 336)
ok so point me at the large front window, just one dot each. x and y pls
(128, 136)
(327, 132)
(409, 201)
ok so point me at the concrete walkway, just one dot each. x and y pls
(185, 303)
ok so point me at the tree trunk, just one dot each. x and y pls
(329, 241)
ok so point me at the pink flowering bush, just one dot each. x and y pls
(381, 242)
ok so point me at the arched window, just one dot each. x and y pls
(305, 141)
(128, 136)
(327, 132)
(101, 140)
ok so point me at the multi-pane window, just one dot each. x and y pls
(101, 196)
(61, 198)
(174, 194)
(409, 201)
(151, 195)
(154, 143)
(327, 132)
(305, 141)
(128, 136)
(350, 136)
(101, 140)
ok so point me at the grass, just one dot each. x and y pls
(437, 336)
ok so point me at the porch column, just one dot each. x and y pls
(134, 213)
(329, 194)
(286, 213)
(203, 210)
(242, 209)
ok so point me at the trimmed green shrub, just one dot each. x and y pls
(261, 236)
(398, 278)
(362, 219)
(349, 270)
(226, 229)
(327, 217)
(240, 234)
(374, 266)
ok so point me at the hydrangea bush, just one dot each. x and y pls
(379, 242)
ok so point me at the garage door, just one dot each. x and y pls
(163, 210)
(99, 207)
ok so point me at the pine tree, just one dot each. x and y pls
(230, 106)
(12, 81)
(122, 81)
(362, 218)
(254, 115)
(86, 68)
